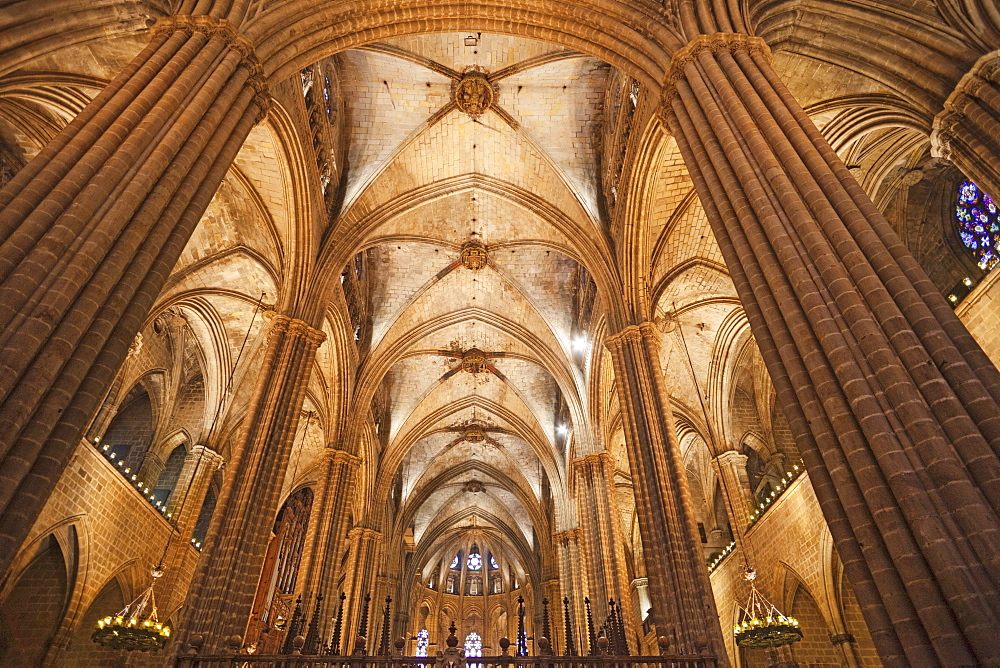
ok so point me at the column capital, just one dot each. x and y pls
(341, 457)
(731, 457)
(295, 327)
(632, 333)
(569, 535)
(593, 459)
(202, 450)
(234, 39)
(358, 533)
(713, 43)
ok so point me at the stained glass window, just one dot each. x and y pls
(493, 563)
(475, 562)
(978, 224)
(422, 643)
(455, 562)
(473, 647)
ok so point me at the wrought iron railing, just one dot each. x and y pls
(274, 661)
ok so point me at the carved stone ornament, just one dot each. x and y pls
(474, 433)
(474, 361)
(474, 93)
(474, 257)
(135, 348)
(474, 486)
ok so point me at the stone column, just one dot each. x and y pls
(573, 576)
(600, 519)
(222, 594)
(331, 509)
(363, 554)
(895, 408)
(91, 229)
(641, 586)
(731, 467)
(967, 131)
(683, 604)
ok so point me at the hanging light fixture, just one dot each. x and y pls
(760, 624)
(136, 627)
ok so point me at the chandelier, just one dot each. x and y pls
(760, 624)
(136, 627)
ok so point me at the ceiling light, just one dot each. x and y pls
(562, 429)
(579, 343)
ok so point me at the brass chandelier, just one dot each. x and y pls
(760, 624)
(136, 627)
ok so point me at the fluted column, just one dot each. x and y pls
(967, 131)
(91, 228)
(600, 519)
(683, 605)
(331, 510)
(222, 594)
(895, 408)
(731, 468)
(573, 577)
(362, 564)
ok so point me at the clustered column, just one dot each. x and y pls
(895, 408)
(364, 551)
(91, 229)
(683, 607)
(967, 131)
(600, 519)
(331, 512)
(222, 592)
(574, 585)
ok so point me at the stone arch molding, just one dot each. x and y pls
(636, 37)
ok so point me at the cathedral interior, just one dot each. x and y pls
(529, 320)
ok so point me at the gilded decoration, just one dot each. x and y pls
(474, 361)
(474, 257)
(475, 433)
(474, 93)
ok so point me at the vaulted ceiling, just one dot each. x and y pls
(483, 368)
(482, 380)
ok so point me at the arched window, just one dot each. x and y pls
(494, 566)
(170, 475)
(204, 517)
(473, 647)
(456, 563)
(475, 561)
(422, 643)
(978, 224)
